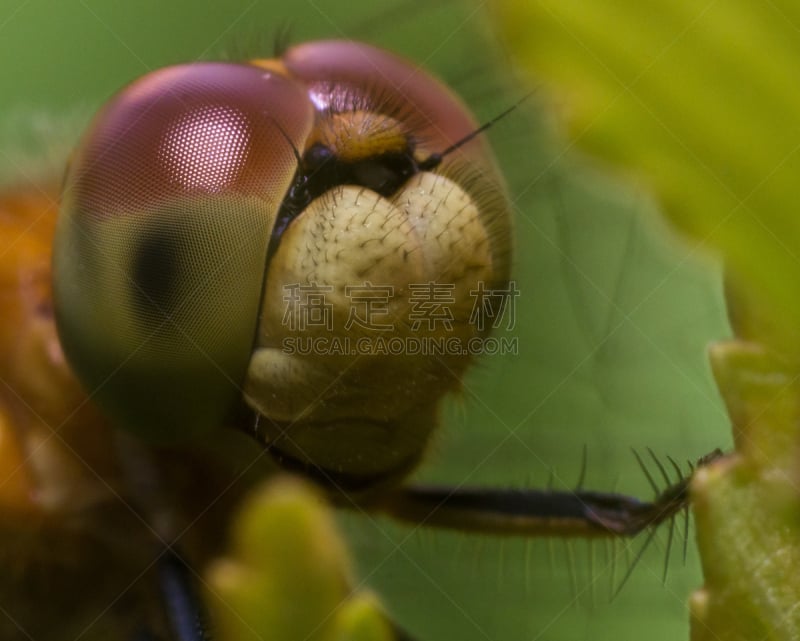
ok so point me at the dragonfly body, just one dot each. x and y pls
(74, 479)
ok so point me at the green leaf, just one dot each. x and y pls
(287, 575)
(698, 101)
(746, 505)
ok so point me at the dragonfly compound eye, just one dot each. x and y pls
(217, 215)
(161, 241)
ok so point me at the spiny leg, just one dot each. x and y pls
(576, 513)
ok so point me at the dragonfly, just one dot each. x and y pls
(122, 521)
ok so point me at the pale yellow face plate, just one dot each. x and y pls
(429, 232)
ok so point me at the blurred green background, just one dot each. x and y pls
(613, 318)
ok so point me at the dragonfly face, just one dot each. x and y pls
(205, 197)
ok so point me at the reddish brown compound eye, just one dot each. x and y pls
(167, 209)
(431, 111)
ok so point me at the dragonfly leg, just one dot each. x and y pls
(522, 512)
(184, 610)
